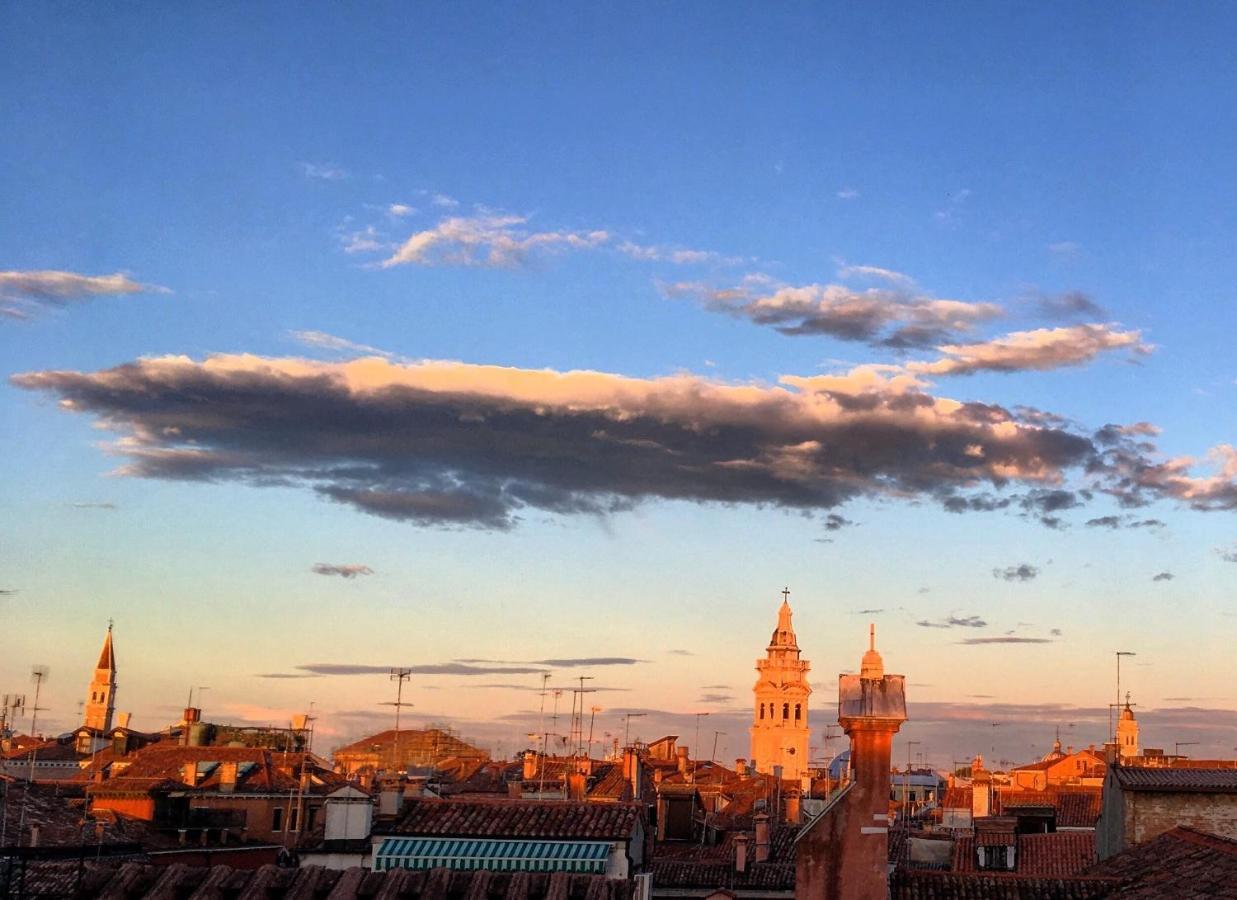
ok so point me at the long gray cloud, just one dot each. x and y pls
(25, 293)
(444, 443)
(342, 570)
(427, 669)
(1020, 572)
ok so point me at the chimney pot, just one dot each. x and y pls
(762, 837)
(740, 852)
(684, 759)
(740, 767)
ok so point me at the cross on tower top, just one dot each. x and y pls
(786, 594)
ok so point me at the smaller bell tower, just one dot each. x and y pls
(101, 701)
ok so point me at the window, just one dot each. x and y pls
(277, 819)
(785, 710)
(311, 818)
(762, 710)
(798, 709)
(292, 819)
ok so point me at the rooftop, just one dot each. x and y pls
(1182, 862)
(1194, 780)
(517, 819)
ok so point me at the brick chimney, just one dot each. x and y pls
(740, 767)
(577, 782)
(793, 809)
(227, 776)
(762, 836)
(981, 789)
(189, 773)
(740, 852)
(684, 760)
(631, 771)
(843, 853)
(530, 765)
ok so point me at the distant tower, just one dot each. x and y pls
(102, 700)
(1127, 732)
(779, 724)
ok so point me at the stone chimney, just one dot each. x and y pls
(740, 767)
(577, 783)
(793, 809)
(843, 853)
(740, 852)
(981, 789)
(684, 760)
(762, 836)
(530, 765)
(227, 776)
(631, 771)
(189, 773)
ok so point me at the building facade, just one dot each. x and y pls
(780, 730)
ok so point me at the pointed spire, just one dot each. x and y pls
(784, 614)
(107, 660)
(872, 667)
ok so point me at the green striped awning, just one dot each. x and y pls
(493, 855)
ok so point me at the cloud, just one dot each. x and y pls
(1163, 576)
(1115, 522)
(1055, 632)
(489, 240)
(1005, 640)
(680, 653)
(323, 171)
(104, 506)
(953, 621)
(715, 698)
(835, 522)
(442, 200)
(895, 316)
(287, 675)
(1022, 572)
(451, 668)
(1104, 522)
(25, 293)
(587, 661)
(323, 341)
(1039, 350)
(868, 612)
(847, 193)
(1065, 249)
(451, 444)
(1228, 554)
(1135, 480)
(874, 273)
(7, 591)
(347, 570)
(1069, 305)
(399, 210)
(365, 240)
(677, 255)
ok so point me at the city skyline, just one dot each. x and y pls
(499, 343)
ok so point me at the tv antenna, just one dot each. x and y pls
(399, 676)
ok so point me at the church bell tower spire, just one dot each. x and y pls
(101, 702)
(780, 730)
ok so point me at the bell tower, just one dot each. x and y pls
(101, 701)
(780, 719)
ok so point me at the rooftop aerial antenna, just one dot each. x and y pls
(577, 714)
(545, 735)
(399, 676)
(627, 717)
(592, 720)
(38, 674)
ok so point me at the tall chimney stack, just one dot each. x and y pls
(843, 854)
(762, 836)
(684, 760)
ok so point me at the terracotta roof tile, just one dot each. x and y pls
(916, 884)
(136, 881)
(1181, 863)
(1194, 780)
(1060, 853)
(518, 819)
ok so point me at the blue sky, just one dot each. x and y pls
(225, 161)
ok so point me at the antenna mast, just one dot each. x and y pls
(399, 676)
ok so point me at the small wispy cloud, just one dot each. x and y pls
(1228, 554)
(1042, 349)
(323, 171)
(680, 653)
(1069, 305)
(715, 698)
(345, 570)
(286, 675)
(1004, 640)
(1021, 572)
(488, 240)
(365, 240)
(1065, 249)
(835, 522)
(452, 668)
(103, 506)
(1163, 576)
(322, 341)
(953, 621)
(399, 210)
(873, 273)
(443, 201)
(4, 592)
(847, 193)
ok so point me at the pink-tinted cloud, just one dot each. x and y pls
(1038, 350)
(24, 293)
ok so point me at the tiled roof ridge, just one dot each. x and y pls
(1204, 838)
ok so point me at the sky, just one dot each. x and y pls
(496, 341)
